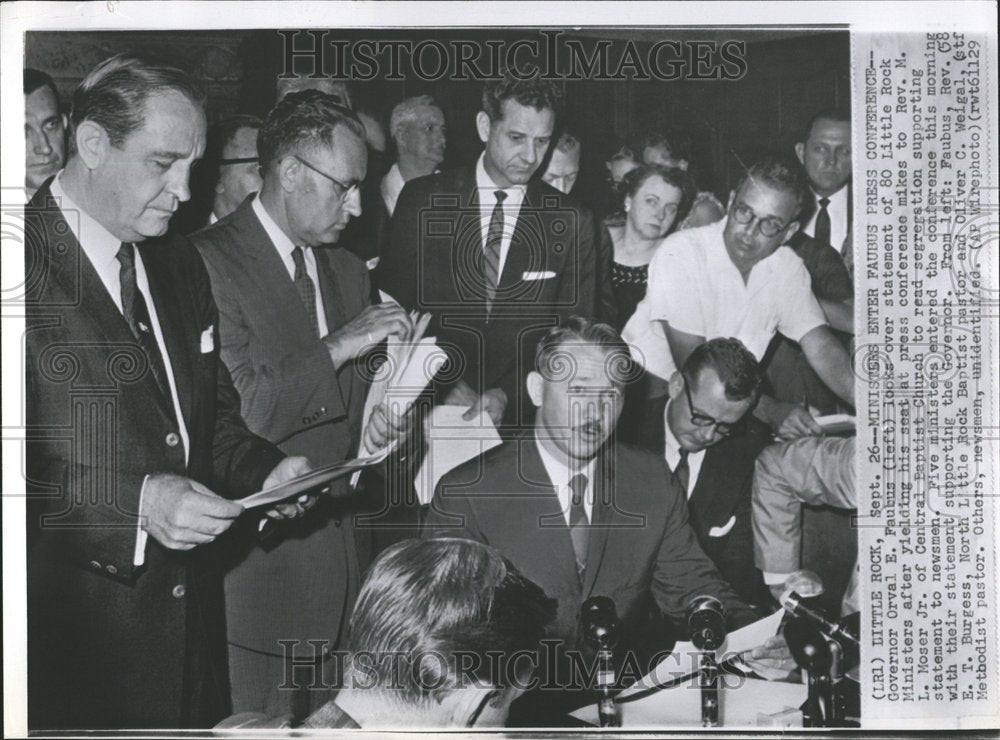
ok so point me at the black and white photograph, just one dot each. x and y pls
(500, 367)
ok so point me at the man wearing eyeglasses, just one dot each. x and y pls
(734, 279)
(710, 441)
(294, 320)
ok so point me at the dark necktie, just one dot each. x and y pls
(306, 288)
(822, 232)
(578, 522)
(491, 261)
(683, 473)
(137, 315)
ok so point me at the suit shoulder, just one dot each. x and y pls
(481, 468)
(347, 263)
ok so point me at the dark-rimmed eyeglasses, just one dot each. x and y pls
(699, 419)
(744, 214)
(345, 189)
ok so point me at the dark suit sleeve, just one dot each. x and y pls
(579, 296)
(607, 307)
(827, 272)
(682, 571)
(451, 514)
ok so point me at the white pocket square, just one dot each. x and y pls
(207, 340)
(723, 530)
(538, 275)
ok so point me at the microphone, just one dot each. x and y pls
(792, 602)
(706, 618)
(599, 620)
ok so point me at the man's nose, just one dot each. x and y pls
(353, 203)
(177, 185)
(39, 142)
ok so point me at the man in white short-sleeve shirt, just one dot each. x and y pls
(735, 279)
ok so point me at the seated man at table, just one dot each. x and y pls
(582, 515)
(445, 633)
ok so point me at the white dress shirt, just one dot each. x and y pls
(838, 208)
(285, 247)
(488, 200)
(101, 248)
(560, 476)
(391, 187)
(672, 453)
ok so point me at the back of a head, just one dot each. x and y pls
(733, 363)
(114, 94)
(533, 92)
(300, 121)
(782, 174)
(449, 609)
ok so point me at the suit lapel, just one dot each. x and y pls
(711, 499)
(177, 335)
(329, 290)
(527, 251)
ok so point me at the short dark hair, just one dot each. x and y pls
(735, 365)
(533, 92)
(671, 175)
(305, 118)
(432, 600)
(35, 78)
(780, 173)
(676, 142)
(576, 330)
(114, 94)
(224, 131)
(837, 115)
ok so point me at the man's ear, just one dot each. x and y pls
(800, 152)
(676, 385)
(92, 143)
(534, 383)
(483, 124)
(789, 231)
(289, 173)
(463, 707)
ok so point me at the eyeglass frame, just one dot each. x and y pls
(345, 190)
(756, 220)
(703, 421)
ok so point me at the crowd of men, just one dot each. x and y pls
(175, 365)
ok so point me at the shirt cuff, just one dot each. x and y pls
(139, 557)
(775, 579)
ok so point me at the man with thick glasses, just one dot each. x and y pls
(710, 441)
(294, 320)
(734, 279)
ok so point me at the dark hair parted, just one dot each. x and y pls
(837, 115)
(300, 120)
(533, 92)
(427, 601)
(35, 79)
(735, 365)
(675, 176)
(780, 173)
(550, 356)
(114, 94)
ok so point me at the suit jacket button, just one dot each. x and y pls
(179, 591)
(95, 565)
(173, 439)
(112, 570)
(337, 522)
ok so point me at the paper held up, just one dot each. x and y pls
(451, 441)
(684, 660)
(308, 481)
(836, 423)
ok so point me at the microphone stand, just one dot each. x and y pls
(600, 626)
(707, 623)
(708, 681)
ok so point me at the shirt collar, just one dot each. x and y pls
(835, 198)
(99, 244)
(720, 260)
(279, 238)
(515, 193)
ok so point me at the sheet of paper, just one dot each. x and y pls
(310, 480)
(685, 659)
(741, 700)
(837, 423)
(451, 441)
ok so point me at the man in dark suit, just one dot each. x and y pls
(583, 517)
(710, 441)
(496, 257)
(135, 438)
(295, 319)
